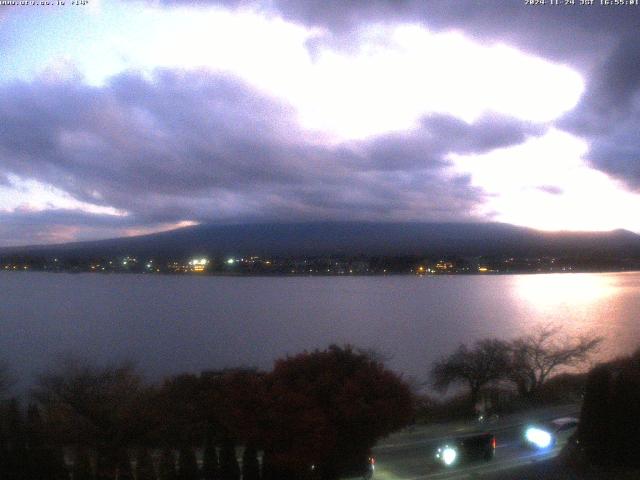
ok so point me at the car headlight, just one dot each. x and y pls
(538, 437)
(447, 455)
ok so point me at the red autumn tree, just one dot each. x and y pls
(328, 409)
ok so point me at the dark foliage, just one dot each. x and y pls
(250, 465)
(82, 469)
(187, 464)
(144, 465)
(167, 466)
(4, 446)
(46, 460)
(609, 430)
(324, 409)
(123, 467)
(17, 462)
(238, 398)
(210, 464)
(271, 471)
(229, 468)
(563, 388)
(180, 410)
(328, 408)
(101, 408)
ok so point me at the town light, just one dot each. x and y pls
(198, 264)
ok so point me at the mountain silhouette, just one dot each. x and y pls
(351, 238)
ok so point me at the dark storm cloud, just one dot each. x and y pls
(204, 147)
(134, 144)
(612, 90)
(439, 135)
(609, 113)
(617, 80)
(615, 147)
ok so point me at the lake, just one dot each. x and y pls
(171, 324)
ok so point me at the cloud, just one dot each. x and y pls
(206, 147)
(180, 144)
(615, 149)
(552, 189)
(610, 114)
(546, 183)
(25, 227)
(598, 40)
(558, 33)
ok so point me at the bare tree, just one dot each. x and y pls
(475, 368)
(536, 356)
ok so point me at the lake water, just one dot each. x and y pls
(172, 324)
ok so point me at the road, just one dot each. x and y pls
(408, 455)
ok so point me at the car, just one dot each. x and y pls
(364, 470)
(546, 435)
(466, 449)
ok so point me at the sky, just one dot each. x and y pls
(125, 118)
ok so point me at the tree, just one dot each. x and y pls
(210, 465)
(229, 468)
(475, 368)
(534, 357)
(82, 469)
(4, 446)
(328, 408)
(179, 410)
(167, 467)
(609, 429)
(233, 400)
(101, 408)
(250, 465)
(18, 463)
(123, 466)
(46, 460)
(187, 464)
(207, 408)
(144, 465)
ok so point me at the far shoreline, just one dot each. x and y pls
(315, 275)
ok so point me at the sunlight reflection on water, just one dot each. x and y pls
(553, 290)
(585, 303)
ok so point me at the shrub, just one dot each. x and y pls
(609, 430)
